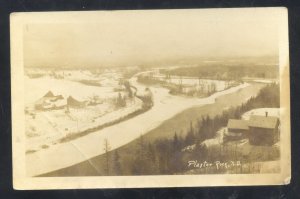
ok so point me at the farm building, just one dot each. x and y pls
(49, 94)
(263, 130)
(72, 102)
(236, 129)
(50, 101)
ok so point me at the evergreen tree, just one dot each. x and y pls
(106, 150)
(117, 164)
(190, 137)
(121, 101)
(152, 154)
(152, 159)
(142, 159)
(175, 142)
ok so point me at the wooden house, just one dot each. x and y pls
(236, 129)
(263, 130)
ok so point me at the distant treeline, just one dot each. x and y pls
(166, 156)
(225, 72)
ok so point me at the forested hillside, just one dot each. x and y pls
(225, 72)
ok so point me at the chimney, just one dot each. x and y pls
(266, 113)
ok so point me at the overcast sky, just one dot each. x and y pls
(135, 38)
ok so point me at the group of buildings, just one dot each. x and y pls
(260, 130)
(52, 102)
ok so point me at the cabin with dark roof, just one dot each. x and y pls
(263, 130)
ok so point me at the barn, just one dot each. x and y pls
(50, 101)
(263, 130)
(72, 102)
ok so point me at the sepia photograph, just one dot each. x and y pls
(150, 98)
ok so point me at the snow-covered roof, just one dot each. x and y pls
(49, 94)
(46, 106)
(61, 102)
(268, 122)
(237, 124)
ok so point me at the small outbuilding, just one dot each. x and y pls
(237, 126)
(236, 129)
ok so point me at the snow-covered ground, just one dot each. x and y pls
(45, 128)
(216, 141)
(38, 87)
(73, 74)
(220, 85)
(165, 106)
(264, 81)
(189, 81)
(261, 80)
(262, 112)
(48, 127)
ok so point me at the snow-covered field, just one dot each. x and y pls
(44, 128)
(196, 82)
(262, 112)
(47, 128)
(37, 87)
(73, 74)
(220, 85)
(261, 80)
